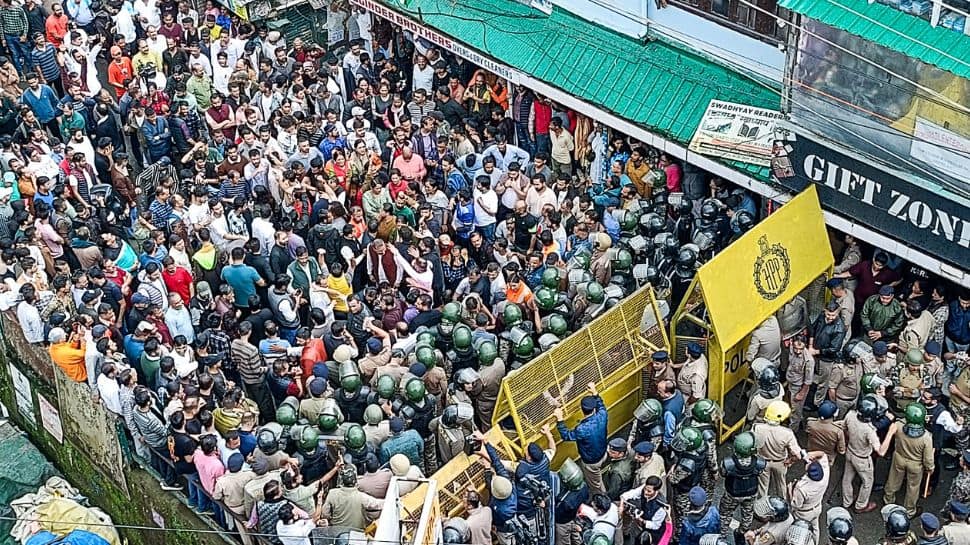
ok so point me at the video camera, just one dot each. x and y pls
(536, 487)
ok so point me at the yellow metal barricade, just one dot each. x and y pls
(733, 293)
(613, 351)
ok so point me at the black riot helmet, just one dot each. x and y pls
(709, 210)
(768, 378)
(745, 220)
(897, 524)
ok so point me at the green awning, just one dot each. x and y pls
(891, 28)
(653, 84)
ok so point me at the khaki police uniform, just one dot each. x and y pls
(692, 380)
(801, 372)
(913, 458)
(844, 379)
(775, 444)
(861, 441)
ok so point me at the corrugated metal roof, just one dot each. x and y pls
(652, 84)
(892, 28)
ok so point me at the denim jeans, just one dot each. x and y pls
(197, 498)
(487, 231)
(19, 53)
(543, 143)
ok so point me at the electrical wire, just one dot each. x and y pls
(709, 84)
(898, 33)
(84, 525)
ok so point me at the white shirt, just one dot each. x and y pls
(489, 199)
(536, 201)
(264, 232)
(158, 45)
(149, 10)
(422, 79)
(220, 77)
(30, 322)
(110, 393)
(296, 533)
(202, 61)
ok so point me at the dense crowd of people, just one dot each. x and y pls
(294, 273)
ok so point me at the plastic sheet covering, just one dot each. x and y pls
(58, 501)
(22, 469)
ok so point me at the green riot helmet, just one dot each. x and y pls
(415, 390)
(487, 352)
(467, 376)
(546, 298)
(286, 415)
(522, 343)
(867, 384)
(915, 414)
(628, 219)
(457, 414)
(648, 411)
(558, 326)
(512, 315)
(579, 278)
(595, 293)
(308, 438)
(914, 356)
(426, 356)
(551, 277)
(744, 445)
(462, 337)
(354, 437)
(373, 414)
(687, 439)
(571, 475)
(705, 411)
(580, 260)
(349, 376)
(386, 386)
(451, 312)
(622, 260)
(268, 438)
(599, 539)
(426, 337)
(330, 416)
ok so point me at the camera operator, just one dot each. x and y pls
(645, 512)
(503, 502)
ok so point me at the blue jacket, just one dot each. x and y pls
(158, 137)
(408, 443)
(45, 106)
(502, 510)
(958, 324)
(673, 412)
(692, 530)
(539, 470)
(589, 434)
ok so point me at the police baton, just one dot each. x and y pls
(926, 488)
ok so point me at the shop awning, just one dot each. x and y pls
(652, 84)
(892, 28)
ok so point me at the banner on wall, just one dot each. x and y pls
(737, 132)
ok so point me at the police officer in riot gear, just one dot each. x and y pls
(352, 394)
(769, 389)
(421, 409)
(705, 416)
(451, 430)
(687, 469)
(741, 471)
(647, 425)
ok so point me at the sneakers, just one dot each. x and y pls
(169, 487)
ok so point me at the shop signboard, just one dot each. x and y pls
(737, 132)
(918, 216)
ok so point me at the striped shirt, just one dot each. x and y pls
(247, 359)
(13, 21)
(46, 60)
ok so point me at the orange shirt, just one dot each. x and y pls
(56, 28)
(520, 296)
(119, 73)
(313, 351)
(70, 358)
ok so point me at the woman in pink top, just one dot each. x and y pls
(410, 164)
(672, 170)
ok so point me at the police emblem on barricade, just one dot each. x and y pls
(772, 269)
